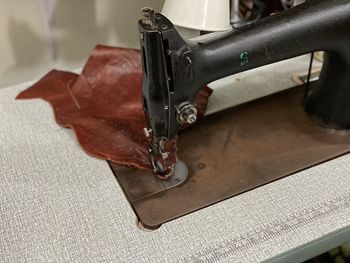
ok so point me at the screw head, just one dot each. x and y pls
(191, 118)
(186, 113)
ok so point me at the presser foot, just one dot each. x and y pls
(159, 157)
(160, 172)
(178, 173)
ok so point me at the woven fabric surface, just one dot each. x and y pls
(57, 204)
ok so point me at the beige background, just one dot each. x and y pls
(77, 27)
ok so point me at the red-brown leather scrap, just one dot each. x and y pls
(103, 106)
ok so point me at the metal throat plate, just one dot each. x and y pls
(231, 152)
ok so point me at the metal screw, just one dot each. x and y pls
(148, 17)
(191, 118)
(186, 113)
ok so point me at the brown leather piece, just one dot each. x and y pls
(103, 106)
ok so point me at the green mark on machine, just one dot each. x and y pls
(244, 58)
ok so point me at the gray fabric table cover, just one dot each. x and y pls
(58, 204)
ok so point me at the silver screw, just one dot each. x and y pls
(191, 118)
(186, 113)
(148, 17)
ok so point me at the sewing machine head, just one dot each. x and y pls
(174, 70)
(167, 89)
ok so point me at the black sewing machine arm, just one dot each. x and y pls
(175, 69)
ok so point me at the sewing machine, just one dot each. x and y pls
(249, 145)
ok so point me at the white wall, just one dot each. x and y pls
(78, 25)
